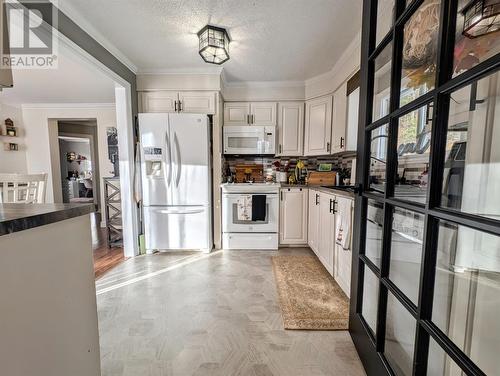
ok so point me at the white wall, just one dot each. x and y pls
(38, 158)
(12, 161)
(346, 65)
(263, 91)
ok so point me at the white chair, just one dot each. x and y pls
(21, 188)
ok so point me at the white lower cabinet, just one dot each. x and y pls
(343, 257)
(326, 231)
(324, 216)
(313, 221)
(293, 216)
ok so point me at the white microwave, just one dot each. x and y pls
(249, 139)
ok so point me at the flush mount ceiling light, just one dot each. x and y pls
(481, 17)
(214, 44)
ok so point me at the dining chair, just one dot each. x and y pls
(23, 188)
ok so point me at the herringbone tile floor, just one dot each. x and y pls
(191, 314)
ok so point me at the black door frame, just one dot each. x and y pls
(370, 347)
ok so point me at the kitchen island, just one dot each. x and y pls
(47, 291)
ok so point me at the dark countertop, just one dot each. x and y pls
(20, 217)
(339, 192)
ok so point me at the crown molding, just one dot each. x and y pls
(65, 106)
(76, 17)
(180, 71)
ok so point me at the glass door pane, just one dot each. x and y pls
(374, 232)
(420, 44)
(471, 179)
(413, 154)
(467, 292)
(399, 337)
(406, 251)
(370, 299)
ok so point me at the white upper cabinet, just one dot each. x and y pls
(339, 119)
(293, 216)
(263, 113)
(318, 126)
(236, 113)
(159, 101)
(250, 113)
(290, 129)
(352, 120)
(197, 102)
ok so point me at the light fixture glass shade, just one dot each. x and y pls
(214, 44)
(481, 17)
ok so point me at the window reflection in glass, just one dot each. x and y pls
(375, 219)
(439, 362)
(413, 151)
(378, 157)
(382, 83)
(385, 16)
(471, 51)
(467, 292)
(399, 337)
(420, 44)
(406, 251)
(370, 299)
(471, 179)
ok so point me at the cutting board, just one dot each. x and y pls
(321, 178)
(256, 172)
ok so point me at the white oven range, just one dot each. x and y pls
(248, 234)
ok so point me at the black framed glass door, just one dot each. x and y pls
(425, 289)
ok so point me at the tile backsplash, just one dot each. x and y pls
(343, 161)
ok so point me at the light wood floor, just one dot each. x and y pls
(218, 314)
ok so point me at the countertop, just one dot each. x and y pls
(338, 192)
(20, 217)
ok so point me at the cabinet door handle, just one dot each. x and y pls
(334, 206)
(180, 106)
(281, 195)
(317, 197)
(280, 149)
(341, 142)
(331, 202)
(248, 119)
(328, 147)
(175, 106)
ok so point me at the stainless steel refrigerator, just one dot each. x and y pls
(176, 181)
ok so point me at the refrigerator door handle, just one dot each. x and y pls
(181, 211)
(178, 161)
(168, 162)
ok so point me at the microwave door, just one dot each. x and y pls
(244, 140)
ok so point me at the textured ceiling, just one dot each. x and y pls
(272, 40)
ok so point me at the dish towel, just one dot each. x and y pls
(244, 204)
(343, 235)
(258, 207)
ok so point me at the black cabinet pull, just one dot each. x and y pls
(175, 106)
(281, 195)
(317, 197)
(341, 142)
(334, 208)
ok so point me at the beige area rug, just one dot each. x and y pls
(309, 296)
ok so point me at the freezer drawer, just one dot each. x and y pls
(177, 228)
